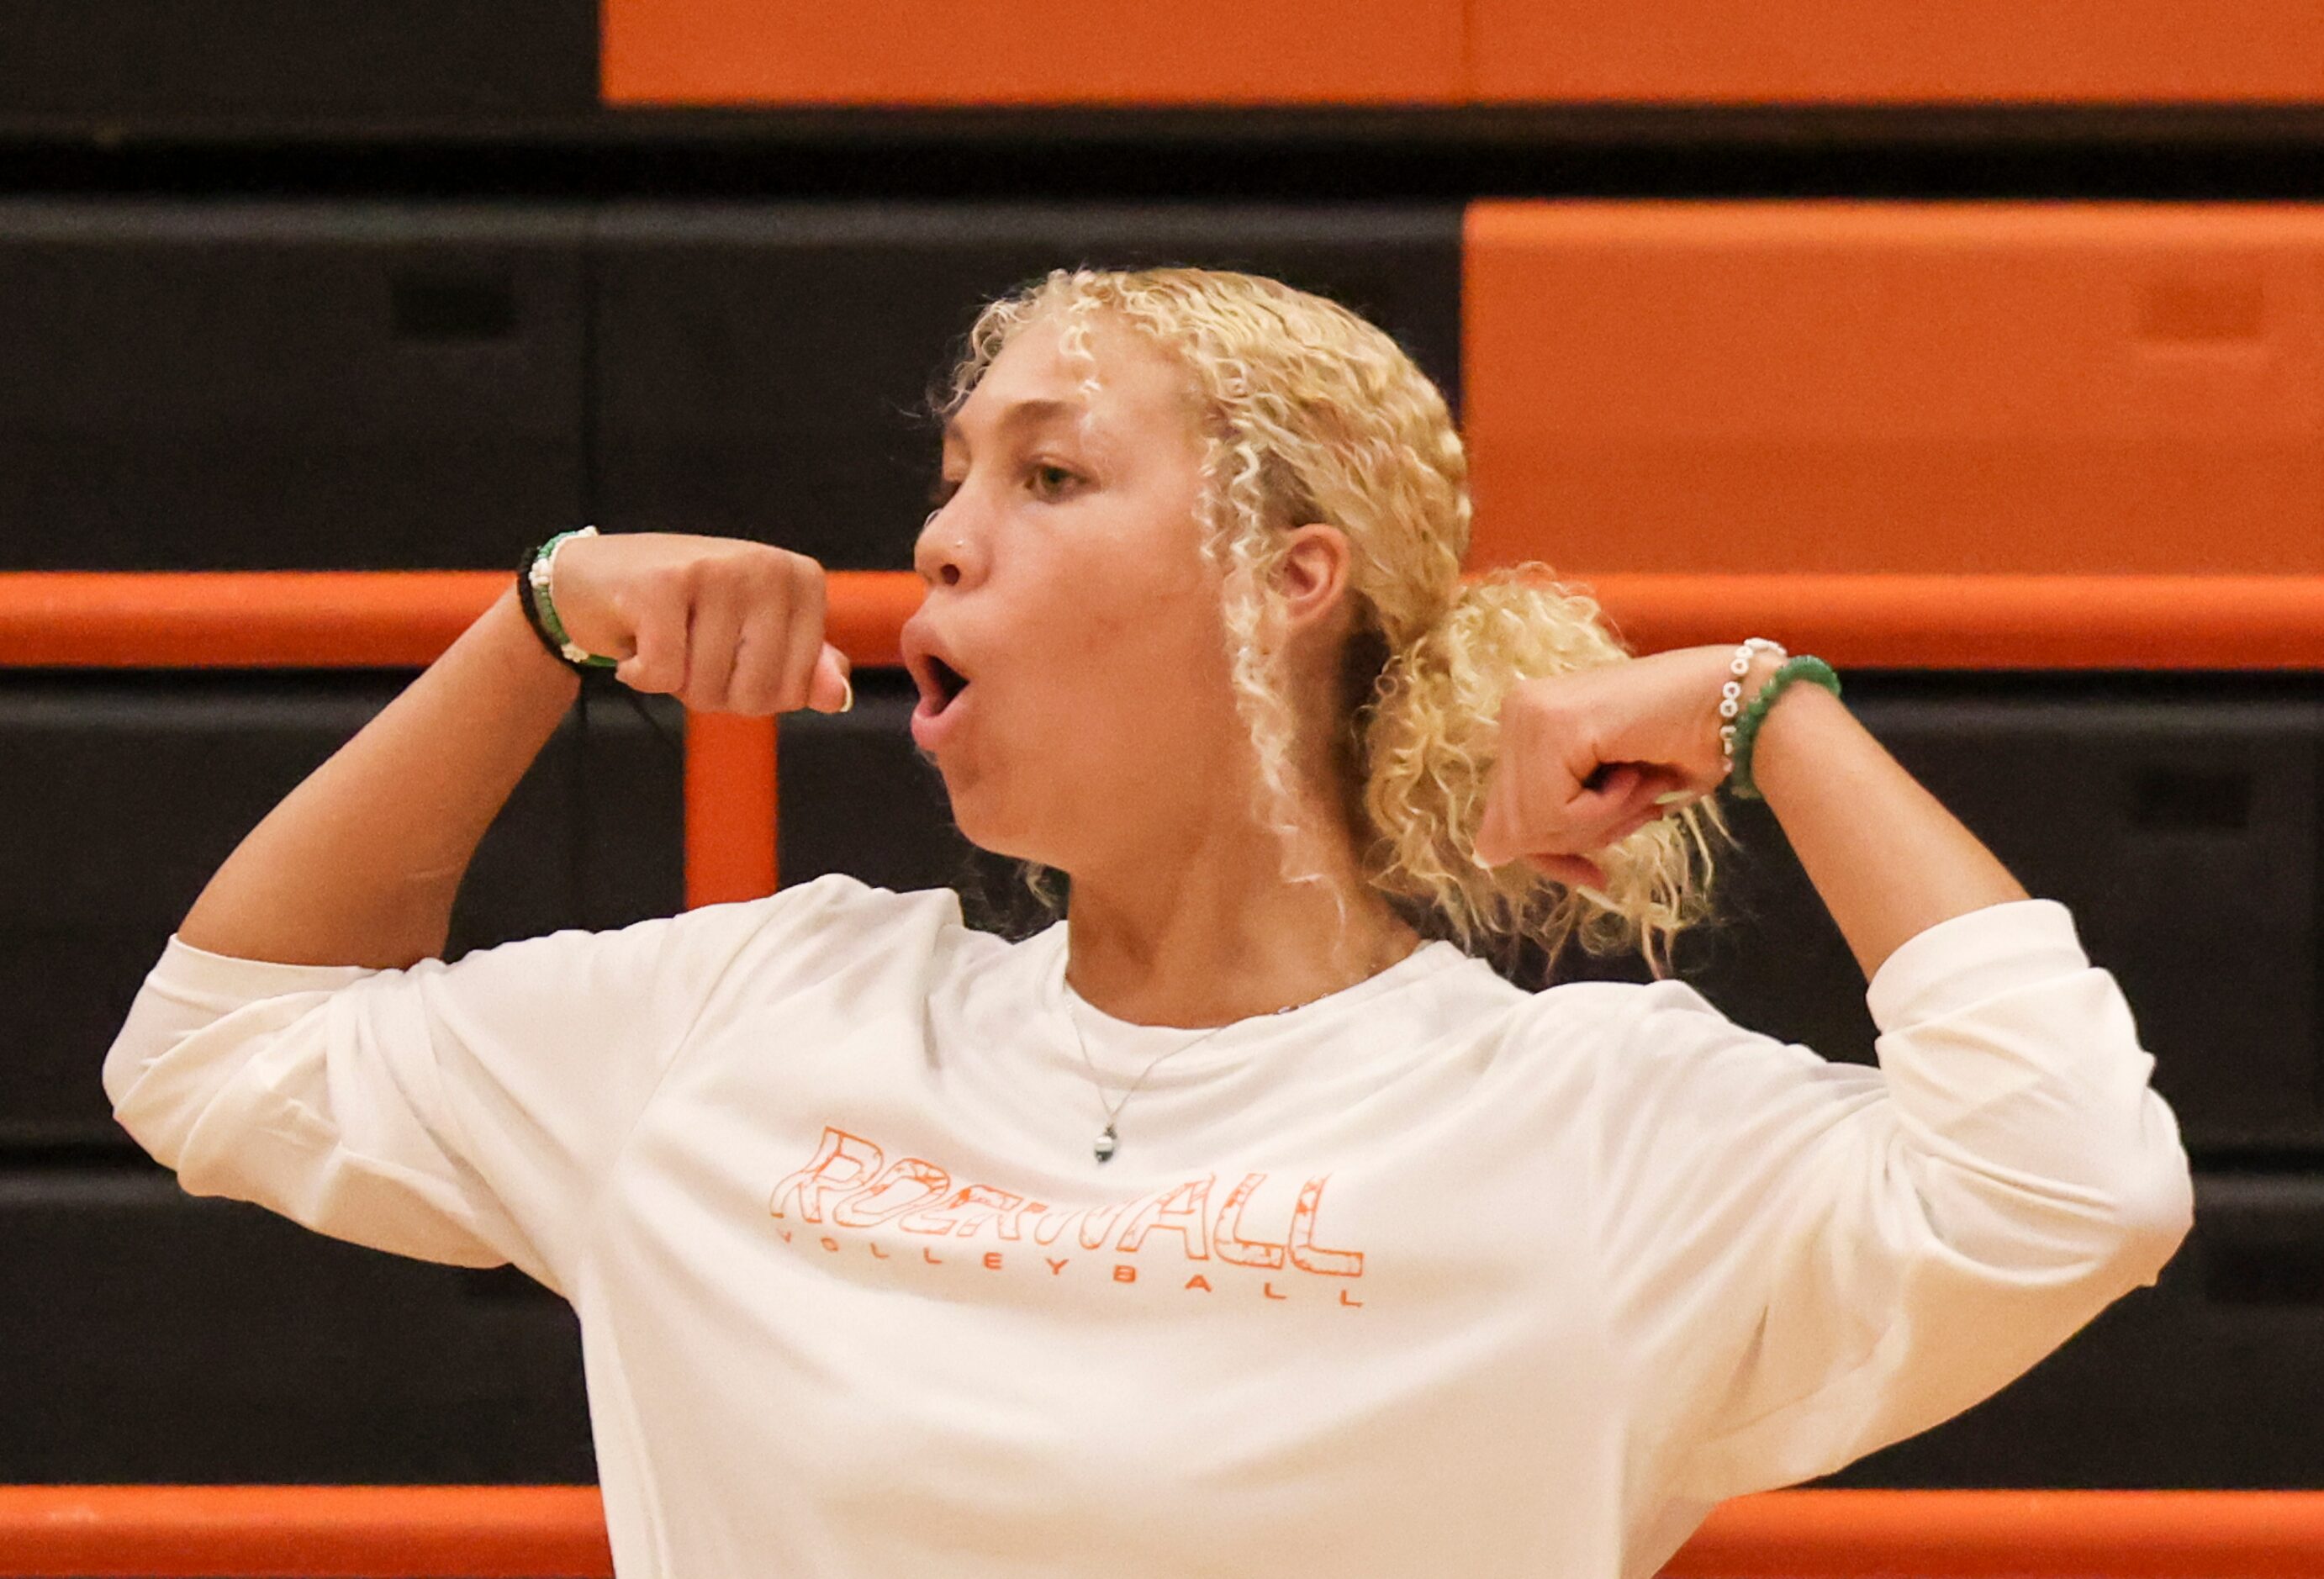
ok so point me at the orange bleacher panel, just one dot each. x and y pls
(1031, 52)
(1811, 52)
(2041, 389)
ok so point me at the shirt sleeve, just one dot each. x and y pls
(1806, 1261)
(463, 1113)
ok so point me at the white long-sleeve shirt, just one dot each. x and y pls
(1432, 1276)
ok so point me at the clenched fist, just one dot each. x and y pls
(724, 624)
(1588, 759)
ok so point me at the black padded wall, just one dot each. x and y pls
(127, 790)
(136, 67)
(2208, 1379)
(155, 1336)
(255, 386)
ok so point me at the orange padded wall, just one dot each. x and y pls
(1841, 386)
(1747, 51)
(1031, 52)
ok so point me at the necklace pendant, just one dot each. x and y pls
(1105, 1143)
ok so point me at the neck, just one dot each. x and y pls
(1201, 931)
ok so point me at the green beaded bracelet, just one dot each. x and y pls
(1746, 727)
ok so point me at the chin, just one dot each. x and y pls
(973, 814)
(990, 830)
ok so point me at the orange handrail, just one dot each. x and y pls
(335, 619)
(324, 619)
(1829, 1534)
(320, 1532)
(452, 1532)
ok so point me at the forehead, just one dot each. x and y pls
(1033, 382)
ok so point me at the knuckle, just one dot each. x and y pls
(808, 589)
(757, 693)
(1551, 709)
(761, 577)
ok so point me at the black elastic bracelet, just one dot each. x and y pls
(532, 613)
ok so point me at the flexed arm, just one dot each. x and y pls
(360, 863)
(1587, 758)
(1804, 1260)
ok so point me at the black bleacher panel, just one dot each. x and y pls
(286, 386)
(760, 371)
(132, 67)
(127, 791)
(159, 1337)
(2206, 1380)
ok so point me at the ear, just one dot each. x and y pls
(1312, 576)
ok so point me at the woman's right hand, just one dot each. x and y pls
(724, 624)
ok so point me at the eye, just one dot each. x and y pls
(1041, 472)
(941, 491)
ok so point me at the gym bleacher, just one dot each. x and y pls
(1979, 350)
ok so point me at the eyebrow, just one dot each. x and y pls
(1023, 414)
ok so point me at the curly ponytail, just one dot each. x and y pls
(1313, 413)
(1432, 732)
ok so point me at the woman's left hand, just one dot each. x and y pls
(1589, 758)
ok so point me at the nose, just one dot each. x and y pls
(943, 554)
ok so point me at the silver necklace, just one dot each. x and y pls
(1108, 1141)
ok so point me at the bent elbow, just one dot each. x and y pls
(158, 1127)
(119, 1075)
(2154, 1213)
(155, 1089)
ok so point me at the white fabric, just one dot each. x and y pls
(1433, 1276)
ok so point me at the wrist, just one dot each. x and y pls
(1764, 666)
(535, 598)
(1793, 760)
(1724, 710)
(513, 630)
(1764, 716)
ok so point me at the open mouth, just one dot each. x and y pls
(950, 682)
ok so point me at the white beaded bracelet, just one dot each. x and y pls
(1731, 694)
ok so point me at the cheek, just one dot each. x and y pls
(1124, 647)
(1110, 679)
(1164, 682)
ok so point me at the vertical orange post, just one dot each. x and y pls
(730, 807)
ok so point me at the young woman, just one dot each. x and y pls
(1244, 1221)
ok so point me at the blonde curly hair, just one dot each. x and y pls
(1314, 413)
